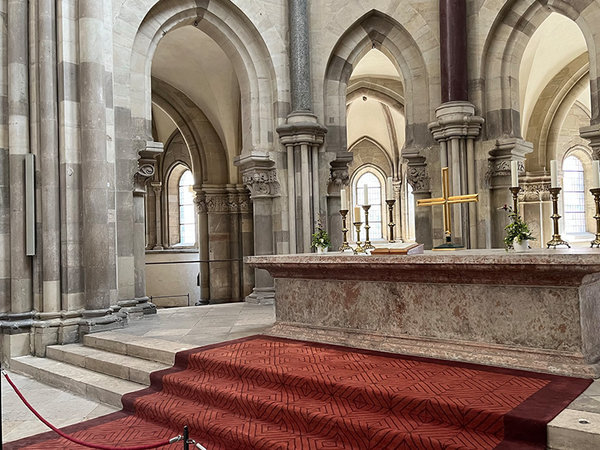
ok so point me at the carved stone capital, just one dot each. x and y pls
(339, 175)
(259, 175)
(417, 176)
(301, 128)
(200, 201)
(505, 151)
(146, 165)
(535, 188)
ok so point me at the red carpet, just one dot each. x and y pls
(269, 393)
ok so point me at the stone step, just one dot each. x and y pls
(117, 365)
(92, 385)
(139, 347)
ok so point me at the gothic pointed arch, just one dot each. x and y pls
(378, 30)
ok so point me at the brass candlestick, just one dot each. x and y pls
(596, 193)
(556, 239)
(359, 248)
(368, 245)
(345, 246)
(391, 223)
(515, 193)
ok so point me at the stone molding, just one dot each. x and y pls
(417, 175)
(224, 202)
(339, 175)
(301, 129)
(535, 188)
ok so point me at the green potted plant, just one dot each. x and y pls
(320, 238)
(518, 233)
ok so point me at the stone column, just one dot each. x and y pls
(97, 177)
(455, 129)
(505, 151)
(157, 188)
(18, 137)
(219, 243)
(339, 180)
(70, 160)
(146, 168)
(420, 182)
(202, 224)
(453, 50)
(247, 239)
(49, 159)
(260, 177)
(5, 253)
(300, 56)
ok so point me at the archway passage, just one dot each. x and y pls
(205, 223)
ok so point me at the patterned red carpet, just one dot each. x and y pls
(269, 393)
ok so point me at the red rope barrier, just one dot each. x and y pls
(77, 441)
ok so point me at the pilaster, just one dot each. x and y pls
(418, 177)
(592, 133)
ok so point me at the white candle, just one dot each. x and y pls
(514, 173)
(553, 174)
(366, 195)
(390, 189)
(357, 213)
(343, 200)
(595, 174)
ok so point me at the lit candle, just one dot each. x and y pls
(343, 200)
(390, 189)
(366, 195)
(514, 173)
(357, 213)
(553, 174)
(595, 174)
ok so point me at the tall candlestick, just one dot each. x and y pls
(343, 199)
(365, 194)
(514, 173)
(390, 189)
(595, 174)
(357, 213)
(553, 174)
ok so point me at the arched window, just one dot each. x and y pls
(574, 195)
(187, 222)
(374, 193)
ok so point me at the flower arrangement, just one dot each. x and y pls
(320, 238)
(516, 230)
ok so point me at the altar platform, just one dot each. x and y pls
(538, 310)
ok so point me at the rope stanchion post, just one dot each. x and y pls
(186, 438)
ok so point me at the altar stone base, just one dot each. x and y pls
(538, 311)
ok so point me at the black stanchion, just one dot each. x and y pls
(186, 438)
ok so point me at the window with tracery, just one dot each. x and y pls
(573, 195)
(187, 215)
(373, 184)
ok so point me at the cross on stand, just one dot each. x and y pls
(446, 200)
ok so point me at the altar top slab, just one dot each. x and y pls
(555, 267)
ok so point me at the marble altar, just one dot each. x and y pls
(538, 310)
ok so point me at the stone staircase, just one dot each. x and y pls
(103, 367)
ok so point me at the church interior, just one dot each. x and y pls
(165, 166)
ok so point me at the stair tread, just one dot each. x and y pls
(108, 357)
(98, 386)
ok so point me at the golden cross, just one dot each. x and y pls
(446, 199)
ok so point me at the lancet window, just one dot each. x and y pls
(374, 187)
(574, 195)
(187, 222)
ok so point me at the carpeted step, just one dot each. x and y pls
(323, 420)
(121, 366)
(413, 400)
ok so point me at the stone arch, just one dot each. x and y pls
(200, 136)
(380, 93)
(359, 163)
(503, 51)
(140, 24)
(377, 30)
(551, 108)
